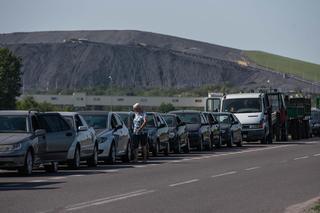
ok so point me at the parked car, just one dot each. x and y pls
(215, 129)
(29, 139)
(113, 135)
(315, 121)
(230, 128)
(85, 145)
(158, 134)
(198, 128)
(178, 134)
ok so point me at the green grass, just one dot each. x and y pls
(316, 208)
(306, 70)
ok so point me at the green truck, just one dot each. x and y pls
(299, 112)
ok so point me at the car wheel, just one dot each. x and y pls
(127, 158)
(112, 154)
(230, 141)
(93, 160)
(75, 162)
(52, 167)
(28, 164)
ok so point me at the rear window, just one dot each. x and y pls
(96, 121)
(10, 123)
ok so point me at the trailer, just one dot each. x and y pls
(299, 113)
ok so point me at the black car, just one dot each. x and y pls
(198, 128)
(158, 134)
(178, 133)
(215, 129)
(315, 121)
(230, 128)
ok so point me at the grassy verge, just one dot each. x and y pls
(306, 70)
(315, 208)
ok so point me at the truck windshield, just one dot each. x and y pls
(12, 123)
(242, 105)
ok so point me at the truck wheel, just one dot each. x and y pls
(28, 164)
(75, 162)
(93, 160)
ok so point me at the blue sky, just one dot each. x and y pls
(285, 27)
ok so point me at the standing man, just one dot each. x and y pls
(139, 138)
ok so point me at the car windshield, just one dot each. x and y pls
(224, 119)
(125, 118)
(150, 121)
(190, 118)
(242, 105)
(170, 120)
(12, 123)
(315, 116)
(96, 121)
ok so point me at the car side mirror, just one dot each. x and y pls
(40, 132)
(82, 128)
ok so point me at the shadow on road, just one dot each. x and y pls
(14, 186)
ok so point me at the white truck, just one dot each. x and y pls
(252, 110)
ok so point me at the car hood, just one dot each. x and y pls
(193, 127)
(249, 118)
(11, 138)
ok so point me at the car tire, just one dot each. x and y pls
(93, 160)
(75, 162)
(112, 154)
(52, 167)
(27, 167)
(230, 141)
(128, 157)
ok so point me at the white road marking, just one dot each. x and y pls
(300, 158)
(111, 170)
(57, 178)
(140, 166)
(184, 182)
(37, 181)
(106, 200)
(316, 155)
(252, 168)
(79, 175)
(224, 174)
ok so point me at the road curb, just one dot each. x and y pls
(302, 207)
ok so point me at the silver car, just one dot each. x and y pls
(85, 144)
(112, 133)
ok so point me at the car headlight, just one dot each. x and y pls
(10, 147)
(171, 134)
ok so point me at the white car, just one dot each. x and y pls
(85, 145)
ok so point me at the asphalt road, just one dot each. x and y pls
(255, 178)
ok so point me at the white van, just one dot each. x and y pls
(251, 109)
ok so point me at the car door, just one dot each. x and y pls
(41, 145)
(59, 136)
(215, 128)
(123, 133)
(162, 130)
(181, 129)
(205, 128)
(83, 137)
(235, 128)
(117, 133)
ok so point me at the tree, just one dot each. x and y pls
(28, 102)
(166, 107)
(10, 79)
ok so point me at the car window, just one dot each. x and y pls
(224, 119)
(171, 121)
(118, 120)
(125, 118)
(190, 118)
(35, 123)
(11, 123)
(113, 122)
(53, 123)
(96, 121)
(203, 119)
(69, 120)
(150, 121)
(78, 121)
